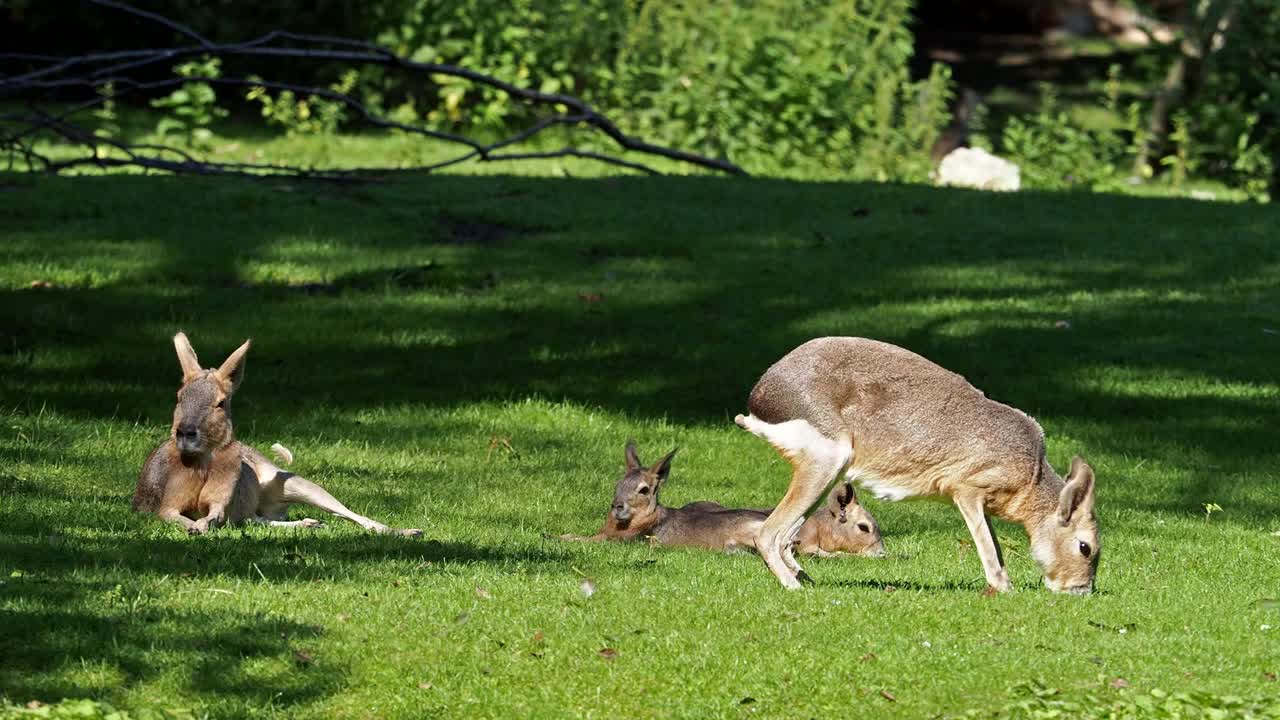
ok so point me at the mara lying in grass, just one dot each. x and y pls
(202, 477)
(842, 526)
(902, 427)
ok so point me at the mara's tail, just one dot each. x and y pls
(283, 453)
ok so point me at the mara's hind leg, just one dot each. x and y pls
(818, 460)
(308, 523)
(299, 489)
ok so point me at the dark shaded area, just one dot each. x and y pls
(571, 314)
(129, 633)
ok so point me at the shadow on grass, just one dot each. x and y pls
(658, 297)
(47, 636)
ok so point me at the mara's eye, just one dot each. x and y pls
(222, 404)
(1085, 550)
(643, 491)
(864, 527)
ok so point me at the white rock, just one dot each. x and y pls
(977, 168)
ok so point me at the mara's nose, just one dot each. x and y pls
(186, 431)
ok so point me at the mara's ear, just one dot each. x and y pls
(662, 468)
(1077, 494)
(633, 458)
(186, 356)
(841, 497)
(232, 370)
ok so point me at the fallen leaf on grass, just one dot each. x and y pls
(861, 212)
(303, 658)
(590, 297)
(424, 686)
(35, 705)
(890, 588)
(869, 657)
(587, 588)
(483, 594)
(608, 653)
(343, 617)
(1268, 604)
(888, 696)
(1270, 676)
(42, 285)
(1062, 324)
(462, 618)
(1119, 684)
(538, 637)
(746, 700)
(990, 591)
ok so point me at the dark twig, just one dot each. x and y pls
(20, 130)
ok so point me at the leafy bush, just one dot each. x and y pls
(804, 87)
(778, 86)
(1055, 153)
(193, 107)
(1234, 124)
(782, 86)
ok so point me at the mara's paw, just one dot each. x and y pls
(408, 532)
(311, 523)
(740, 420)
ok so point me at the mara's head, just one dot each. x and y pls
(853, 528)
(635, 497)
(1065, 543)
(202, 417)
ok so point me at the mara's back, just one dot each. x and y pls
(913, 424)
(711, 529)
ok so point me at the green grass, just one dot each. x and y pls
(391, 387)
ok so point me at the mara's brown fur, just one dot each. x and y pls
(902, 426)
(844, 526)
(202, 477)
(636, 513)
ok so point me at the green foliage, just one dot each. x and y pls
(314, 114)
(1056, 153)
(108, 121)
(82, 710)
(821, 88)
(1038, 701)
(771, 84)
(192, 108)
(561, 46)
(1234, 124)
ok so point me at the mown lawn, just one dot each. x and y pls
(468, 354)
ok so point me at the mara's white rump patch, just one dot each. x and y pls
(797, 439)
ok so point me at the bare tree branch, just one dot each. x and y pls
(113, 75)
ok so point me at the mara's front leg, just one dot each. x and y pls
(175, 516)
(985, 541)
